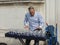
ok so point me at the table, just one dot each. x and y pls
(26, 35)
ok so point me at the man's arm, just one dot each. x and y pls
(26, 21)
(41, 21)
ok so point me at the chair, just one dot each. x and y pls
(51, 38)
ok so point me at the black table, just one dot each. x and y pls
(25, 35)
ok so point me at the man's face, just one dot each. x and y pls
(32, 12)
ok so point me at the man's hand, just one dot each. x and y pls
(26, 27)
(38, 28)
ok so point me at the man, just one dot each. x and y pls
(33, 20)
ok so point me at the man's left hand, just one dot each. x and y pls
(38, 28)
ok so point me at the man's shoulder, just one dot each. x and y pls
(27, 13)
(37, 13)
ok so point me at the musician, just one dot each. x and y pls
(33, 20)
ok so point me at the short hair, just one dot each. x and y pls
(30, 8)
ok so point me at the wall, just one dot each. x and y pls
(58, 17)
(13, 16)
(53, 13)
(50, 11)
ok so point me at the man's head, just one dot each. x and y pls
(31, 10)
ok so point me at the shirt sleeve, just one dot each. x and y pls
(41, 21)
(26, 20)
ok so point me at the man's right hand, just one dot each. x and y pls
(26, 27)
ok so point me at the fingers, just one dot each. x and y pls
(26, 27)
(38, 28)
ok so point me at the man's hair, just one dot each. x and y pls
(30, 8)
